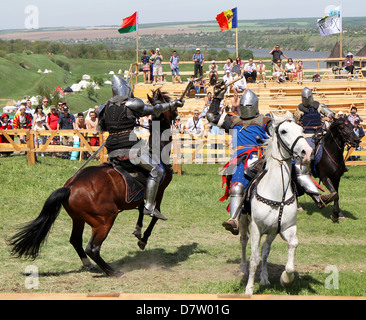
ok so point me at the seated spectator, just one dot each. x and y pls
(212, 73)
(22, 120)
(240, 85)
(290, 69)
(261, 71)
(177, 126)
(227, 78)
(353, 116)
(349, 63)
(235, 102)
(300, 71)
(239, 62)
(358, 130)
(192, 87)
(250, 71)
(199, 86)
(228, 65)
(208, 99)
(278, 71)
(194, 124)
(92, 124)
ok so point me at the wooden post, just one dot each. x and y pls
(31, 156)
(237, 42)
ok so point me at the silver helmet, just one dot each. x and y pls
(248, 105)
(120, 87)
(307, 97)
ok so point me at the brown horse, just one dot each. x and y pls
(94, 196)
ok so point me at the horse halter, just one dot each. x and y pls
(280, 142)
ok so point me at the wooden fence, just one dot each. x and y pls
(186, 149)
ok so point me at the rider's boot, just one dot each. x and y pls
(237, 192)
(304, 180)
(152, 187)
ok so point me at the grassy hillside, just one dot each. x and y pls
(19, 77)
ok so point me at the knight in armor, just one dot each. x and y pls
(249, 130)
(119, 116)
(309, 114)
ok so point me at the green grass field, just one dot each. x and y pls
(189, 253)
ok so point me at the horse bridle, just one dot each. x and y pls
(280, 142)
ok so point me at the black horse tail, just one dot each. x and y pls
(27, 242)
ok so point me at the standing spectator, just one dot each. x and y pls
(198, 59)
(194, 124)
(66, 122)
(39, 126)
(5, 125)
(228, 65)
(28, 107)
(212, 73)
(39, 118)
(290, 69)
(349, 63)
(22, 120)
(174, 66)
(353, 116)
(146, 67)
(261, 71)
(92, 124)
(158, 67)
(299, 72)
(277, 53)
(46, 108)
(250, 70)
(80, 122)
(278, 70)
(152, 53)
(52, 120)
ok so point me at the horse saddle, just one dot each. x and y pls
(135, 178)
(315, 143)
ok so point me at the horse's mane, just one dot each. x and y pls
(276, 120)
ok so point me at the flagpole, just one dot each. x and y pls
(137, 43)
(237, 43)
(341, 36)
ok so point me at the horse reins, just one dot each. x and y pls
(283, 202)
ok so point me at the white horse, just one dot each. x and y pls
(274, 203)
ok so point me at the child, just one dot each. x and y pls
(358, 130)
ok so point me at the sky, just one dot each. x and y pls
(18, 14)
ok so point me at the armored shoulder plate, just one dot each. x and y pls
(136, 105)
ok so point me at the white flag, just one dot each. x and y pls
(331, 23)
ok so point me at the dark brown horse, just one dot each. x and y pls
(331, 166)
(94, 196)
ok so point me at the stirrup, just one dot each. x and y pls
(229, 226)
(154, 213)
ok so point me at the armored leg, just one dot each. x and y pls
(152, 186)
(236, 195)
(306, 183)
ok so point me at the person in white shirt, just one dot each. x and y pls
(250, 70)
(194, 124)
(290, 68)
(227, 78)
(240, 85)
(261, 71)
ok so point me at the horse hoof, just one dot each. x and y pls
(286, 279)
(137, 234)
(341, 216)
(334, 219)
(141, 245)
(117, 274)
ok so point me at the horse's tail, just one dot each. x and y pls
(27, 242)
